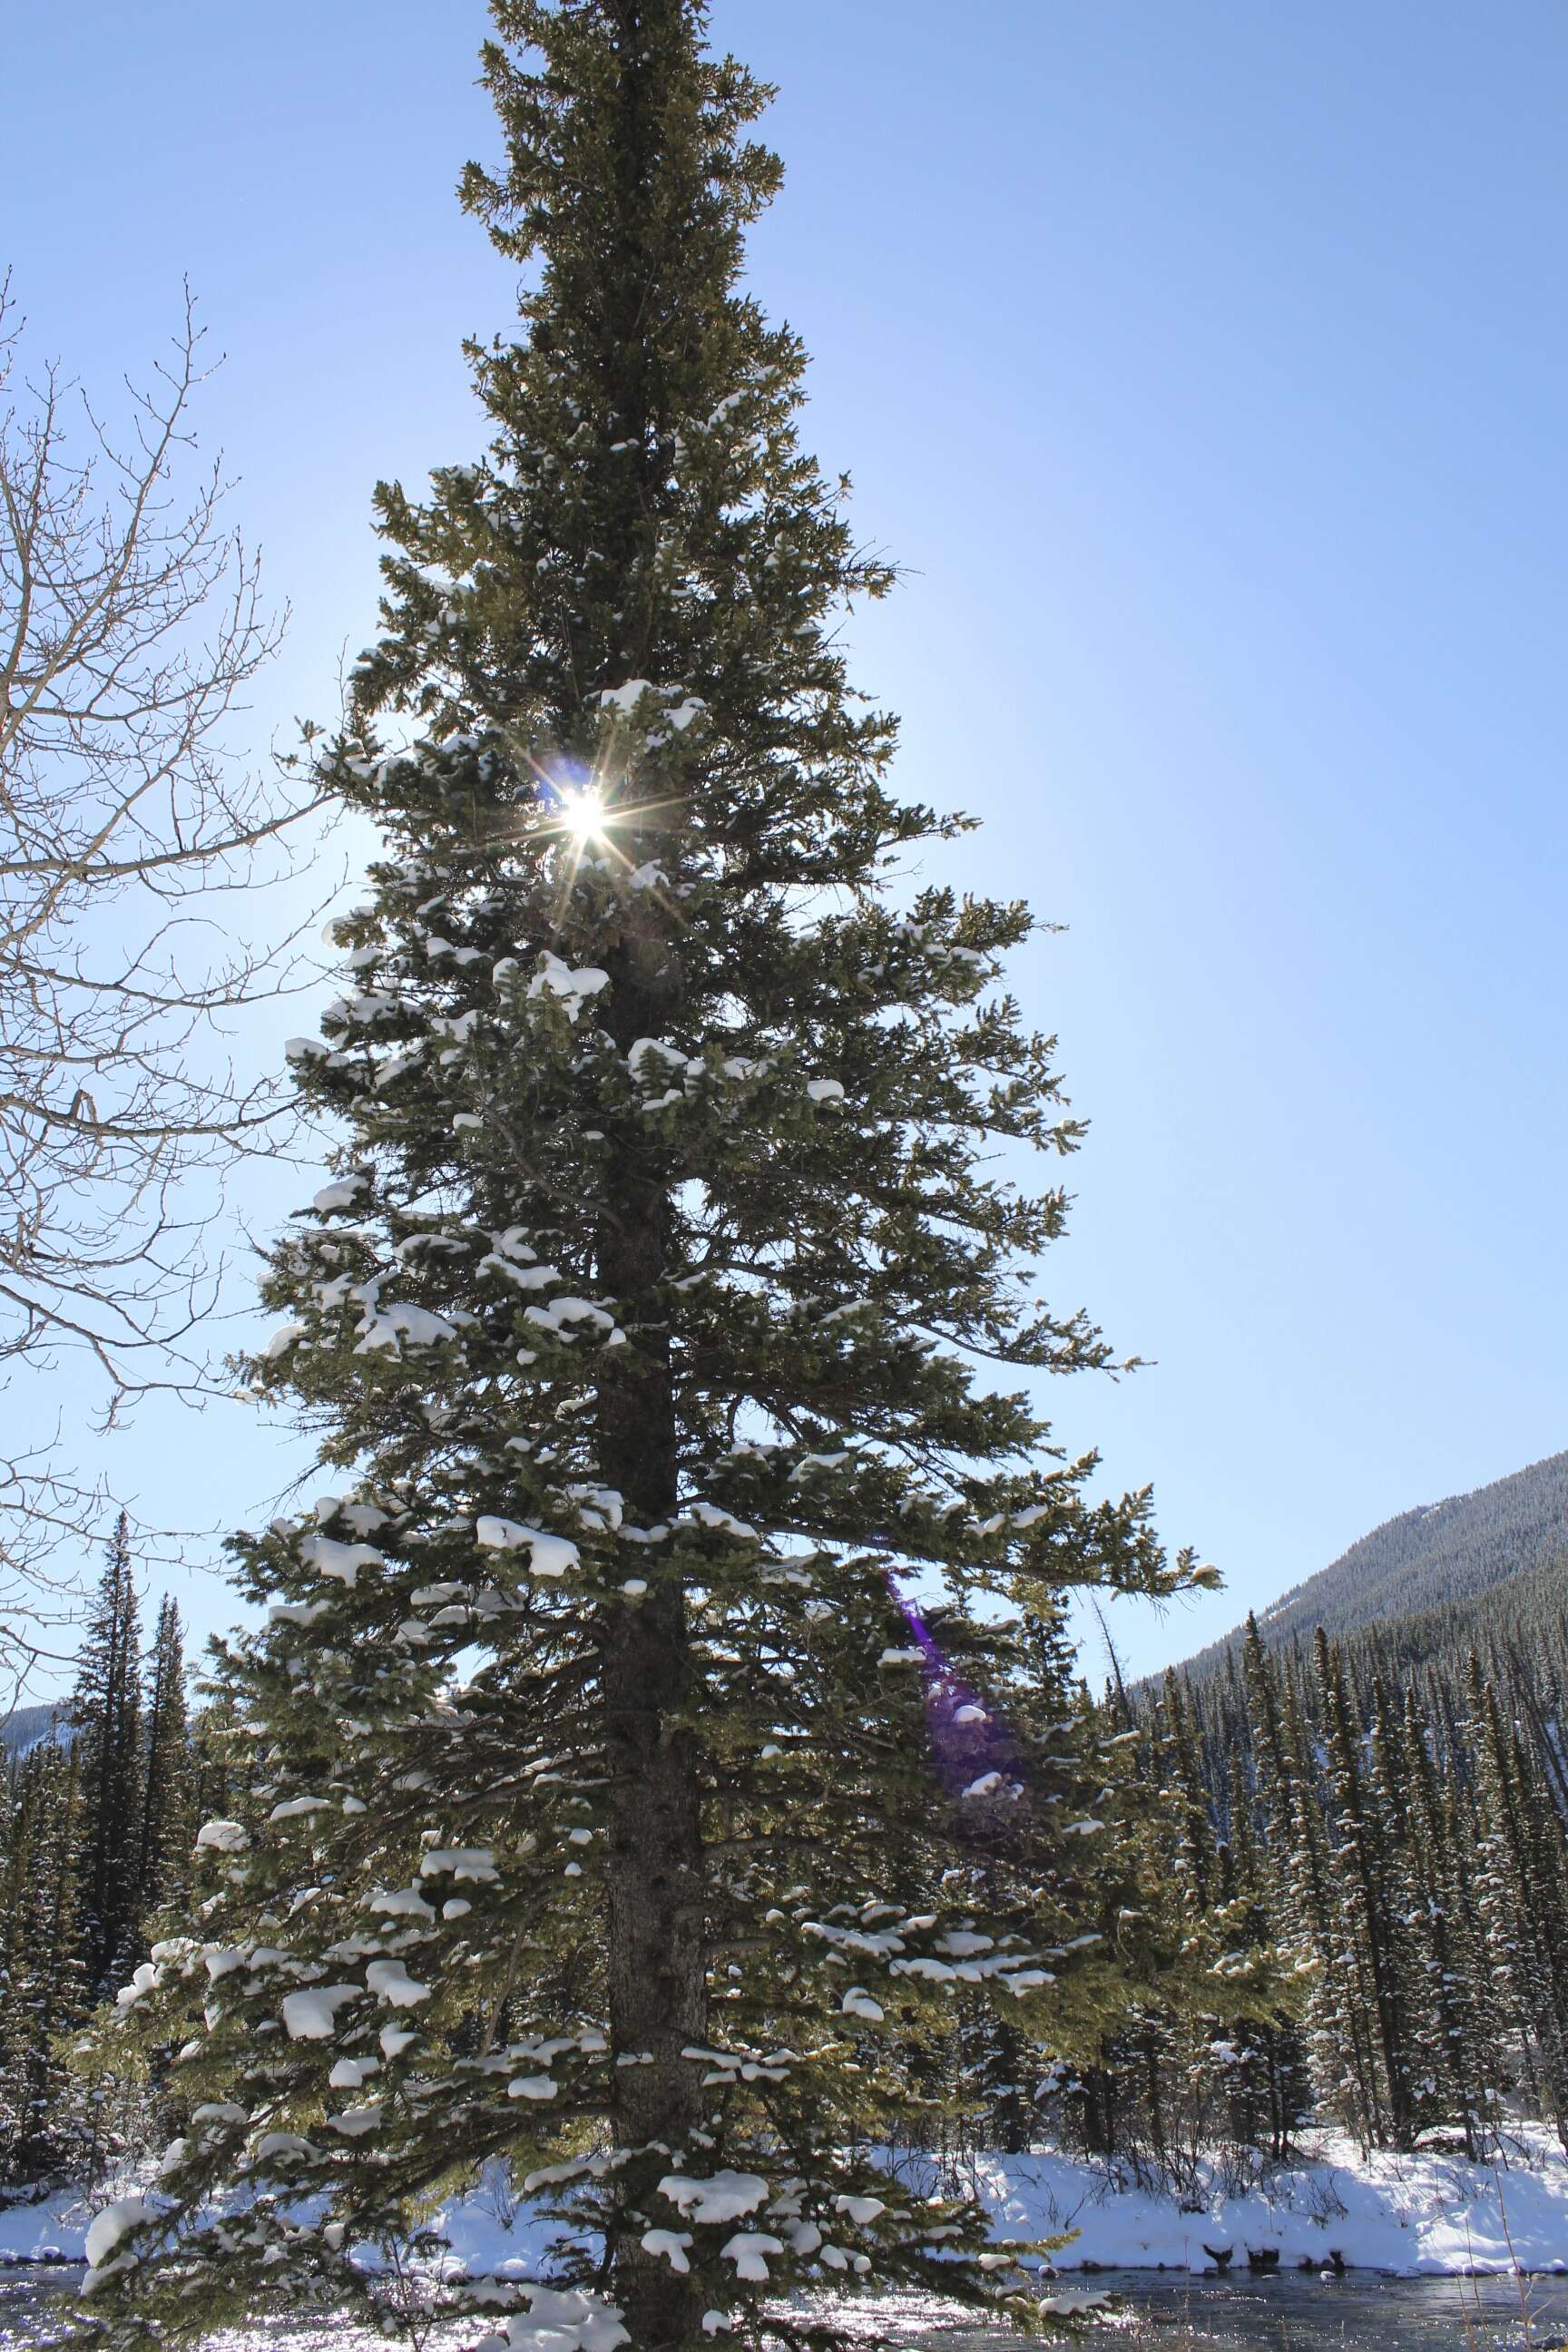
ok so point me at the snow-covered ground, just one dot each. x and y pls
(1405, 2214)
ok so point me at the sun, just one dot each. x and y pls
(583, 815)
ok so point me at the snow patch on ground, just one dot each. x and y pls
(51, 2230)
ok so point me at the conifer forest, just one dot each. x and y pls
(656, 1766)
(1319, 1885)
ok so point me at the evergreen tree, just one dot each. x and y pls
(623, 1805)
(1341, 2043)
(1186, 1796)
(106, 1718)
(1409, 1930)
(1453, 2008)
(168, 1822)
(1269, 2094)
(1376, 1983)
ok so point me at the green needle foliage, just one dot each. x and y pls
(625, 1824)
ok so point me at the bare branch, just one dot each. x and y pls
(131, 627)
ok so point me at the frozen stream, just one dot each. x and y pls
(1286, 2312)
(1296, 2312)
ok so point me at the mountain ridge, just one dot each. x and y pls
(1436, 1556)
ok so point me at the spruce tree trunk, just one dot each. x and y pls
(657, 1959)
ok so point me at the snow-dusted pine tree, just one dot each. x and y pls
(637, 1710)
(165, 1828)
(106, 1720)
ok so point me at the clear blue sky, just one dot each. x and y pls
(1205, 362)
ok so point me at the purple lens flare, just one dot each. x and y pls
(971, 1744)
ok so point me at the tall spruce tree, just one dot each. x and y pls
(106, 1718)
(166, 1824)
(1337, 2023)
(1451, 2013)
(1521, 1874)
(624, 1804)
(1368, 1902)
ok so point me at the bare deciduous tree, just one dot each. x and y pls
(130, 626)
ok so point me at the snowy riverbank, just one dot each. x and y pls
(1406, 2215)
(1403, 2214)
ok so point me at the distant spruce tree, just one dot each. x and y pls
(105, 1719)
(1520, 1871)
(1269, 2095)
(626, 1812)
(1313, 1922)
(1451, 2006)
(1378, 1982)
(168, 1822)
(1411, 1934)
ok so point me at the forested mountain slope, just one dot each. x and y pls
(1523, 1617)
(25, 1727)
(1441, 1557)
